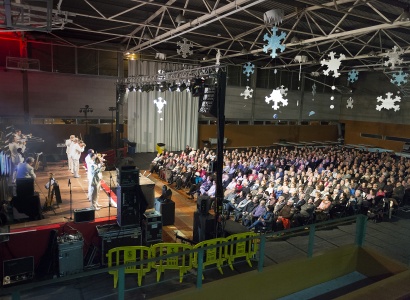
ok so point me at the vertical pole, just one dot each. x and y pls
(121, 283)
(361, 223)
(200, 268)
(311, 240)
(220, 146)
(261, 252)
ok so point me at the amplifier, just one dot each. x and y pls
(70, 254)
(18, 270)
(84, 215)
(113, 236)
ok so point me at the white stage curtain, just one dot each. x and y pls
(176, 126)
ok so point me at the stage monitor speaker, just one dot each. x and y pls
(128, 175)
(84, 215)
(18, 270)
(209, 227)
(24, 187)
(204, 204)
(167, 210)
(128, 206)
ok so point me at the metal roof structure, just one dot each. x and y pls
(363, 30)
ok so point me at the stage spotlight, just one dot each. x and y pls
(182, 87)
(173, 88)
(139, 89)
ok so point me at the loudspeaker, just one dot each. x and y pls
(204, 204)
(167, 210)
(128, 206)
(24, 187)
(84, 215)
(128, 175)
(209, 227)
(17, 270)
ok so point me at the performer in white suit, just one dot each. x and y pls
(76, 149)
(68, 152)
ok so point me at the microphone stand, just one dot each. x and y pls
(71, 201)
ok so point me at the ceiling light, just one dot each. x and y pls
(301, 58)
(146, 36)
(295, 39)
(273, 17)
(405, 16)
(244, 51)
(180, 19)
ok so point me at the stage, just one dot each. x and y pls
(31, 238)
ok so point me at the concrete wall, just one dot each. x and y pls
(56, 95)
(296, 275)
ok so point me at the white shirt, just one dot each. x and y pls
(75, 151)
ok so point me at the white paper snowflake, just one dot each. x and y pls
(274, 42)
(333, 64)
(389, 102)
(393, 57)
(277, 97)
(247, 93)
(185, 48)
(349, 103)
(353, 75)
(248, 69)
(160, 103)
(399, 78)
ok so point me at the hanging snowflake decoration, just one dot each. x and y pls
(332, 106)
(349, 103)
(160, 103)
(218, 60)
(393, 57)
(333, 64)
(185, 48)
(389, 102)
(247, 93)
(353, 75)
(314, 89)
(399, 78)
(248, 69)
(274, 42)
(277, 97)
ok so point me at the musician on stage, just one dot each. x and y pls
(25, 169)
(89, 160)
(96, 169)
(14, 145)
(68, 152)
(76, 149)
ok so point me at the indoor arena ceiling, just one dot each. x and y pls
(363, 30)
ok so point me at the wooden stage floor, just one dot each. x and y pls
(184, 207)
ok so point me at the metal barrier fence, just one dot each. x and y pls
(260, 240)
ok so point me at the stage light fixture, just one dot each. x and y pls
(173, 88)
(182, 87)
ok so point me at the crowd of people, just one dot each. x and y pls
(284, 187)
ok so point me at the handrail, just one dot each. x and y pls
(359, 239)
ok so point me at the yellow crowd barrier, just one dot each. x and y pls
(182, 262)
(217, 256)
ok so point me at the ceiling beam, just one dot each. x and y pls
(204, 20)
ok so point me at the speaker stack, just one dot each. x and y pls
(128, 202)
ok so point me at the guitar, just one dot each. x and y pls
(49, 198)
